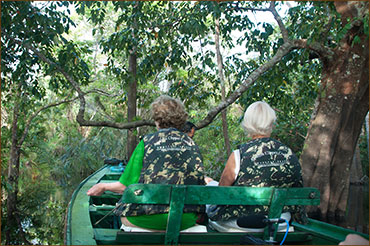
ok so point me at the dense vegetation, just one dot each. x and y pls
(111, 59)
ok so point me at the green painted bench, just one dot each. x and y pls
(84, 212)
(179, 195)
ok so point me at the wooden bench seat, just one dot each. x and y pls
(176, 196)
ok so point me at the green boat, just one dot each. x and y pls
(90, 220)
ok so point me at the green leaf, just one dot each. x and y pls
(356, 40)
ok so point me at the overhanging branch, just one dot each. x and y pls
(29, 121)
(278, 19)
(282, 51)
(81, 96)
(324, 52)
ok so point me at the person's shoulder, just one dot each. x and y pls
(278, 143)
(252, 142)
(283, 148)
(149, 136)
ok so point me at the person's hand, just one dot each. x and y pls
(207, 179)
(354, 239)
(96, 190)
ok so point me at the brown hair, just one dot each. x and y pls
(168, 112)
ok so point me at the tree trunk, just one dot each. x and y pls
(131, 105)
(13, 220)
(132, 93)
(223, 92)
(13, 171)
(334, 131)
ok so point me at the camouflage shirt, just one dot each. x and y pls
(170, 157)
(264, 162)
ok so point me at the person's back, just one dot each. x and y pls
(171, 157)
(264, 162)
(267, 162)
(167, 156)
(261, 162)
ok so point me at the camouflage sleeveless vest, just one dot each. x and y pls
(264, 162)
(170, 157)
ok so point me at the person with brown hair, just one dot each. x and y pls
(168, 156)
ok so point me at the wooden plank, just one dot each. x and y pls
(302, 196)
(196, 194)
(211, 238)
(227, 195)
(234, 238)
(147, 194)
(106, 208)
(175, 215)
(276, 207)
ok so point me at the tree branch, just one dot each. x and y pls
(278, 19)
(324, 52)
(352, 12)
(276, 15)
(174, 23)
(81, 96)
(28, 124)
(282, 51)
(103, 93)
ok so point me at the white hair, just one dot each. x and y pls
(259, 119)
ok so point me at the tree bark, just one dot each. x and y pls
(131, 104)
(13, 220)
(334, 131)
(132, 93)
(13, 173)
(223, 91)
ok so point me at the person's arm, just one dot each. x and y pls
(228, 175)
(99, 189)
(131, 174)
(354, 239)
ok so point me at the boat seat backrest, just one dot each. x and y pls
(176, 196)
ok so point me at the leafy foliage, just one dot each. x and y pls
(175, 49)
(28, 28)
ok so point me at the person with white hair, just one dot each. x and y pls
(261, 162)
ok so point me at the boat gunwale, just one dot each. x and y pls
(68, 232)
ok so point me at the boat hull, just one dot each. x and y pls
(90, 221)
